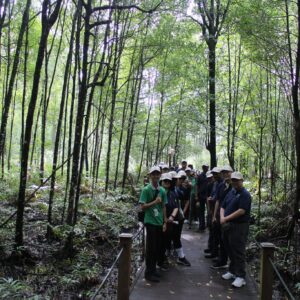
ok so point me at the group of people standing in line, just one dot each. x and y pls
(214, 199)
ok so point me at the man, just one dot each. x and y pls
(200, 196)
(225, 187)
(211, 204)
(164, 169)
(235, 217)
(153, 200)
(183, 165)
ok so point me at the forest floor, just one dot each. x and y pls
(48, 273)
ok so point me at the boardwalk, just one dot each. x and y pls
(196, 282)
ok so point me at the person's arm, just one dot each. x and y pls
(186, 206)
(216, 210)
(145, 206)
(173, 215)
(232, 216)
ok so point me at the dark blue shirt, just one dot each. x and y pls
(235, 200)
(202, 184)
(216, 190)
(172, 202)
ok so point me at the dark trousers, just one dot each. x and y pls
(177, 230)
(235, 238)
(218, 247)
(201, 213)
(154, 247)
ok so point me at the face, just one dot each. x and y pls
(216, 176)
(226, 175)
(237, 184)
(205, 169)
(188, 173)
(165, 171)
(166, 184)
(180, 181)
(154, 176)
(184, 164)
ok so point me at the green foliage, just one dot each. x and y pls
(13, 289)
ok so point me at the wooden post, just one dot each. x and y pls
(266, 271)
(124, 267)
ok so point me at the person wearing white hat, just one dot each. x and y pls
(183, 203)
(164, 169)
(216, 171)
(224, 188)
(153, 200)
(235, 217)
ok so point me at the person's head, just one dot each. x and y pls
(183, 164)
(205, 168)
(181, 176)
(216, 173)
(188, 171)
(165, 169)
(209, 176)
(154, 174)
(226, 173)
(237, 180)
(166, 181)
(191, 166)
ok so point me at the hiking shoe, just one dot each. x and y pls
(157, 274)
(152, 278)
(164, 266)
(183, 261)
(207, 250)
(239, 282)
(219, 265)
(228, 276)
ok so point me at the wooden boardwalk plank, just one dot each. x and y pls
(196, 282)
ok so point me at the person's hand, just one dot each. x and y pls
(209, 198)
(197, 204)
(170, 219)
(165, 227)
(214, 220)
(158, 200)
(222, 220)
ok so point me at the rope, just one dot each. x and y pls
(281, 280)
(108, 274)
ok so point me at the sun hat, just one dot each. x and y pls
(237, 175)
(216, 170)
(165, 176)
(154, 169)
(226, 169)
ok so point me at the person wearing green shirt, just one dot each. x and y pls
(153, 200)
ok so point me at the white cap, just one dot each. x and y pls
(164, 166)
(154, 169)
(172, 174)
(161, 164)
(209, 174)
(237, 175)
(216, 170)
(226, 169)
(180, 174)
(188, 169)
(165, 176)
(205, 165)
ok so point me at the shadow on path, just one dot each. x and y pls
(196, 282)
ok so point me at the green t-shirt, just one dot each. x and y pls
(193, 181)
(153, 214)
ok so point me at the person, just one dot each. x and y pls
(225, 187)
(200, 196)
(164, 169)
(183, 165)
(153, 200)
(211, 203)
(183, 204)
(209, 188)
(193, 216)
(235, 217)
(171, 214)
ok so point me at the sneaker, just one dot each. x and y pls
(207, 250)
(228, 276)
(239, 282)
(186, 221)
(152, 278)
(164, 266)
(219, 265)
(183, 261)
